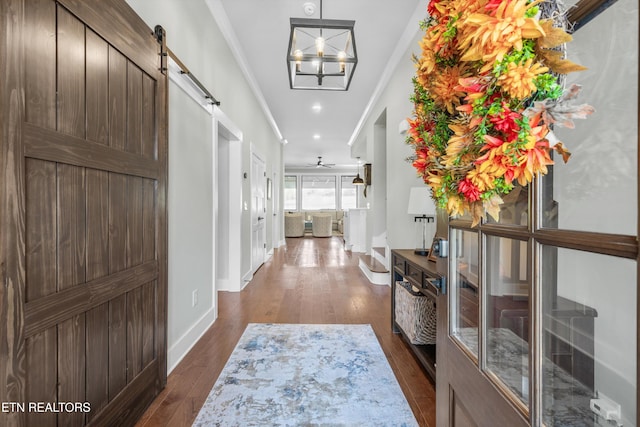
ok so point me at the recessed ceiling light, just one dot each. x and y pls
(316, 108)
(316, 136)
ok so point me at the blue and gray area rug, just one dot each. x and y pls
(306, 375)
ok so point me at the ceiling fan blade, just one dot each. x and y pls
(321, 164)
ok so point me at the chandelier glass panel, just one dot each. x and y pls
(322, 54)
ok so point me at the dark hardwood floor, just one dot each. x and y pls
(310, 280)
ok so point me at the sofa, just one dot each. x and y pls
(321, 225)
(337, 218)
(293, 224)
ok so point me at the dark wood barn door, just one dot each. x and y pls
(82, 212)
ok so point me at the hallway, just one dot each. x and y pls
(310, 280)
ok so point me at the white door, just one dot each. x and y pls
(275, 208)
(258, 212)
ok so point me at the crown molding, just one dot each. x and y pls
(411, 30)
(220, 16)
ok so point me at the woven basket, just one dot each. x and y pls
(415, 314)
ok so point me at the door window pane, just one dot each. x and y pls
(349, 195)
(507, 312)
(290, 193)
(515, 209)
(589, 336)
(318, 192)
(464, 311)
(597, 189)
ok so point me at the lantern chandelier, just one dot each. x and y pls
(322, 52)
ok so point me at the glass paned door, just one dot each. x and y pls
(600, 177)
(506, 330)
(465, 317)
(588, 338)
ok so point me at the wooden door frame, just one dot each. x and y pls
(233, 244)
(122, 26)
(225, 127)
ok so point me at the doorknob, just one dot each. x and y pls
(260, 218)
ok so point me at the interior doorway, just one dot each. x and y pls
(258, 212)
(228, 203)
(378, 224)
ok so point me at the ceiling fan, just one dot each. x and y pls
(321, 164)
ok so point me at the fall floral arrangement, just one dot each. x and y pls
(486, 92)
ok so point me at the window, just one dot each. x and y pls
(589, 332)
(290, 193)
(348, 193)
(464, 284)
(318, 192)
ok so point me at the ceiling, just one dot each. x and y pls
(258, 33)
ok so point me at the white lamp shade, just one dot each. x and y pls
(420, 202)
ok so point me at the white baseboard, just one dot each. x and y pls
(182, 346)
(223, 285)
(227, 285)
(247, 277)
(373, 277)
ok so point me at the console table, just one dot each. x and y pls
(416, 270)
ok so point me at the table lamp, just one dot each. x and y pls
(422, 207)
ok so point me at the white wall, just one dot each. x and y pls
(190, 224)
(379, 180)
(400, 175)
(194, 37)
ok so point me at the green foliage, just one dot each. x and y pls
(548, 87)
(516, 57)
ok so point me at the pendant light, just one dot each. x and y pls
(322, 52)
(357, 180)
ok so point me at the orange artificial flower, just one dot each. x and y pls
(490, 37)
(533, 161)
(444, 87)
(422, 160)
(460, 142)
(427, 62)
(518, 80)
(482, 180)
(413, 131)
(496, 161)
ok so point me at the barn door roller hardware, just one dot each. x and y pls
(165, 51)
